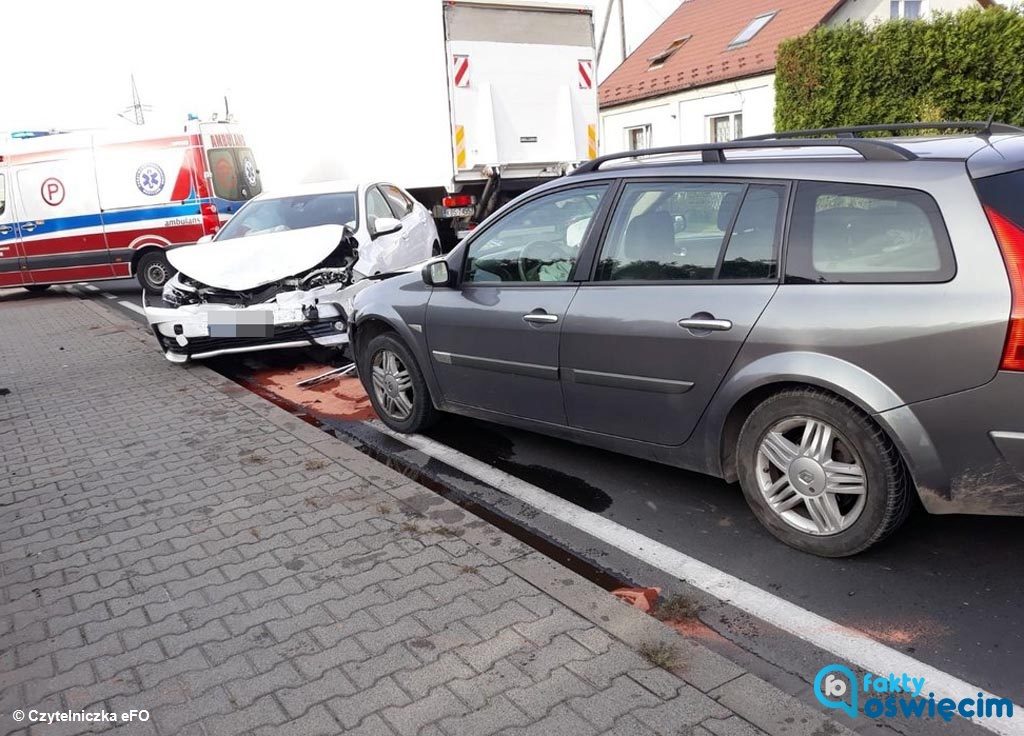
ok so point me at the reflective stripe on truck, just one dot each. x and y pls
(460, 147)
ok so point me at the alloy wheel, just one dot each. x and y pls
(811, 476)
(392, 385)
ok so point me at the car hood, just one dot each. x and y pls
(247, 263)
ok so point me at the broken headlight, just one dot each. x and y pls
(180, 290)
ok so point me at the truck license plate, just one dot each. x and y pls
(458, 212)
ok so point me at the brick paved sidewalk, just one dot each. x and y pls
(171, 542)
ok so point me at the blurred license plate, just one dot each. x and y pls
(250, 323)
(458, 212)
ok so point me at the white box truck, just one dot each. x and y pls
(506, 99)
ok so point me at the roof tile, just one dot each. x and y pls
(706, 57)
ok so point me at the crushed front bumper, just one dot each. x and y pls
(197, 331)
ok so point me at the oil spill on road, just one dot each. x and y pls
(484, 444)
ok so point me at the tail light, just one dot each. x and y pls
(1010, 237)
(211, 222)
(459, 200)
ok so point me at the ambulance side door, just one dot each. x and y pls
(61, 225)
(11, 261)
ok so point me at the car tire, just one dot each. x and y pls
(389, 371)
(153, 271)
(37, 288)
(845, 486)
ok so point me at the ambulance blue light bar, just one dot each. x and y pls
(33, 133)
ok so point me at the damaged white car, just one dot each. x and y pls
(280, 272)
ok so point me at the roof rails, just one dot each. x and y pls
(854, 131)
(872, 149)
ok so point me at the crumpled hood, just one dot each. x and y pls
(241, 264)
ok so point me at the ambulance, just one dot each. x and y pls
(91, 205)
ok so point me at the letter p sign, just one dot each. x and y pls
(52, 191)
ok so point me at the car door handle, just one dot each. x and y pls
(28, 226)
(699, 323)
(540, 317)
(5, 229)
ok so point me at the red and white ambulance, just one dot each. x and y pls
(91, 205)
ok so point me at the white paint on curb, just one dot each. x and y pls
(846, 643)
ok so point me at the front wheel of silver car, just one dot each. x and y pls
(395, 384)
(820, 475)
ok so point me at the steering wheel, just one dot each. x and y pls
(541, 250)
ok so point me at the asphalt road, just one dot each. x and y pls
(948, 591)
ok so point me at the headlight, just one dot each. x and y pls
(176, 293)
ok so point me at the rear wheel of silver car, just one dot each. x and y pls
(395, 384)
(153, 271)
(820, 475)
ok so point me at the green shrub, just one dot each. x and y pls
(954, 66)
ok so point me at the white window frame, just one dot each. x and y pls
(902, 13)
(709, 125)
(646, 128)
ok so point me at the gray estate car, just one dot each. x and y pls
(835, 321)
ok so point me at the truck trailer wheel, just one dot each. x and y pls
(153, 270)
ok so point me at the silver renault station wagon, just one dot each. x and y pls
(833, 318)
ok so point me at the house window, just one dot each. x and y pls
(752, 29)
(658, 60)
(908, 9)
(638, 138)
(725, 128)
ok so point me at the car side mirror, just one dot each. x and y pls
(204, 239)
(385, 226)
(436, 273)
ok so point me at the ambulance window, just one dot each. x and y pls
(225, 174)
(3, 194)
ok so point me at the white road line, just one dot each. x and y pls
(134, 307)
(848, 644)
(109, 296)
(90, 287)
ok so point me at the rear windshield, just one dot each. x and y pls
(291, 213)
(235, 176)
(1005, 194)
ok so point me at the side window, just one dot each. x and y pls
(376, 207)
(537, 242)
(668, 231)
(400, 203)
(752, 252)
(3, 194)
(855, 233)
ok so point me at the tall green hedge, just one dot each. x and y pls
(950, 67)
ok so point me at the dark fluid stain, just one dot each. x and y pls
(495, 449)
(4, 391)
(296, 564)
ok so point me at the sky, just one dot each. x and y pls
(278, 63)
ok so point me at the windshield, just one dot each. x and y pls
(235, 176)
(291, 213)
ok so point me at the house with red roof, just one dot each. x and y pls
(707, 74)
